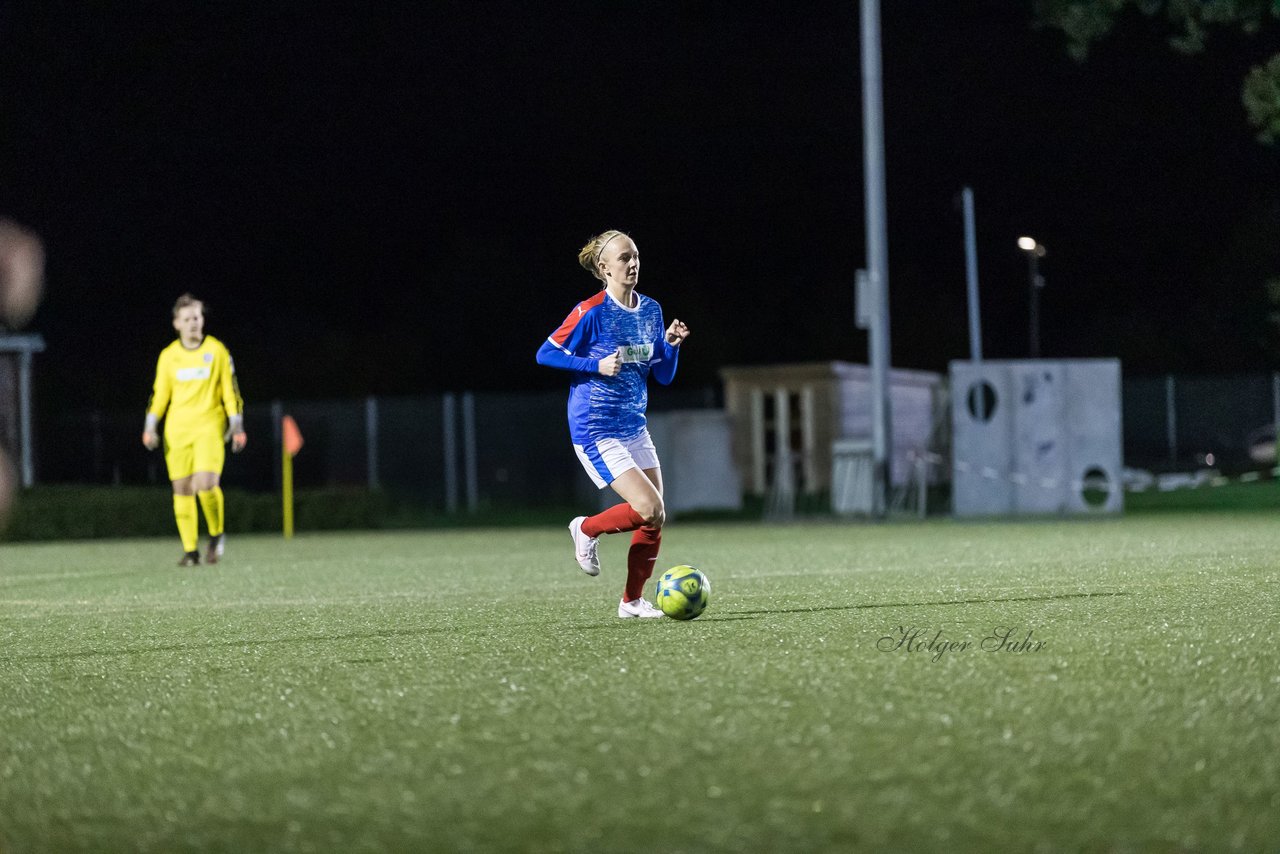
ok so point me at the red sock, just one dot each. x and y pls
(615, 520)
(645, 543)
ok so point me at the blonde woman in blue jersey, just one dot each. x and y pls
(197, 395)
(611, 343)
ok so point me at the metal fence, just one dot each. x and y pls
(448, 452)
(461, 451)
(1179, 422)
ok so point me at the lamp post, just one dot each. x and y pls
(877, 254)
(1035, 251)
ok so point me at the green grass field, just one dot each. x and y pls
(473, 691)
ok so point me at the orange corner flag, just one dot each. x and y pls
(292, 435)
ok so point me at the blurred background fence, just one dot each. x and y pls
(446, 452)
(1174, 423)
(461, 451)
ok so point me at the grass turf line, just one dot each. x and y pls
(472, 690)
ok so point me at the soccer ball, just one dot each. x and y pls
(683, 592)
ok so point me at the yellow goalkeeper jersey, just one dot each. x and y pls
(197, 387)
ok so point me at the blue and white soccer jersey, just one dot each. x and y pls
(607, 414)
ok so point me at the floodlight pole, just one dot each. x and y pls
(1033, 316)
(877, 253)
(1035, 251)
(971, 280)
(971, 275)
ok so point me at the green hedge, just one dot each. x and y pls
(1262, 495)
(84, 512)
(90, 512)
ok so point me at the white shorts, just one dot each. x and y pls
(606, 459)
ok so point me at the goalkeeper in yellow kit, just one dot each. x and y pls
(196, 385)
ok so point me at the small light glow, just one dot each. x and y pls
(1208, 459)
(1027, 244)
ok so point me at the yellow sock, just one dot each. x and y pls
(212, 502)
(184, 510)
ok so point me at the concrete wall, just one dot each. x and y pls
(694, 447)
(1038, 439)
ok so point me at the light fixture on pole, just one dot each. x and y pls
(1035, 251)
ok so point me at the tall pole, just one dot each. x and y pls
(470, 478)
(1035, 251)
(1275, 411)
(877, 252)
(450, 453)
(1034, 314)
(971, 276)
(371, 443)
(28, 473)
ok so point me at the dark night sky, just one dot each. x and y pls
(389, 198)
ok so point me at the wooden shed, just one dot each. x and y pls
(804, 408)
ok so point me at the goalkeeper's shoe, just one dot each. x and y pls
(214, 553)
(190, 559)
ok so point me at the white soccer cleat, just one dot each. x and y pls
(642, 608)
(584, 547)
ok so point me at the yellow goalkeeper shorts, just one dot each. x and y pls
(194, 453)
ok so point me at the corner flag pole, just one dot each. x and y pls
(291, 440)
